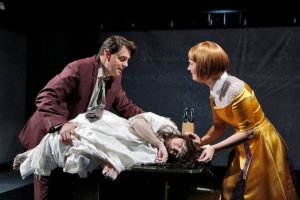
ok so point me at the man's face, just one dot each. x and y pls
(177, 148)
(117, 62)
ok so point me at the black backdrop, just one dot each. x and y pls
(157, 78)
(13, 55)
(266, 58)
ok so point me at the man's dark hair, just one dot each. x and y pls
(115, 43)
(189, 160)
(192, 152)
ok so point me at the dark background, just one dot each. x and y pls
(37, 39)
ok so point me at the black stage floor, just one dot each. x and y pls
(12, 187)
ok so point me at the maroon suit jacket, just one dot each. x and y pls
(67, 95)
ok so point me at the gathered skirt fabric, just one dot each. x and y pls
(265, 174)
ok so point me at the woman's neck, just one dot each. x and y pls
(211, 83)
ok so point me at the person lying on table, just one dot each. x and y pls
(112, 142)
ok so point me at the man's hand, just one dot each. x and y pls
(67, 131)
(162, 154)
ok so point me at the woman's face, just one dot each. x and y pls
(192, 69)
(176, 147)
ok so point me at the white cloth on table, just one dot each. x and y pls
(106, 140)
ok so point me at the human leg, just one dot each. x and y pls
(110, 172)
(41, 187)
(19, 159)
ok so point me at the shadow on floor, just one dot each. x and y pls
(23, 193)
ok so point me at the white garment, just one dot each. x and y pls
(235, 87)
(216, 90)
(106, 140)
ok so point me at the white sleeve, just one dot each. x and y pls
(157, 122)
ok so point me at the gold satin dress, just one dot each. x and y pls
(258, 169)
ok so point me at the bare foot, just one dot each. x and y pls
(110, 172)
(19, 159)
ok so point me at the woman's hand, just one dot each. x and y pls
(194, 137)
(162, 154)
(67, 131)
(207, 153)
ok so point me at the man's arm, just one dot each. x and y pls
(51, 100)
(123, 105)
(143, 130)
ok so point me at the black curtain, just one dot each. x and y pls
(157, 78)
(266, 58)
(13, 52)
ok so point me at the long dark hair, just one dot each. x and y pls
(192, 153)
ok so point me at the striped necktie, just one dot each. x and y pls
(94, 113)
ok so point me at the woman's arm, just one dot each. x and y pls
(144, 131)
(214, 133)
(233, 140)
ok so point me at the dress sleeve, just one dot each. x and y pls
(246, 110)
(215, 117)
(157, 122)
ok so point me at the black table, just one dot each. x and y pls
(168, 182)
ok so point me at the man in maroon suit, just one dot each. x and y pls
(72, 91)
